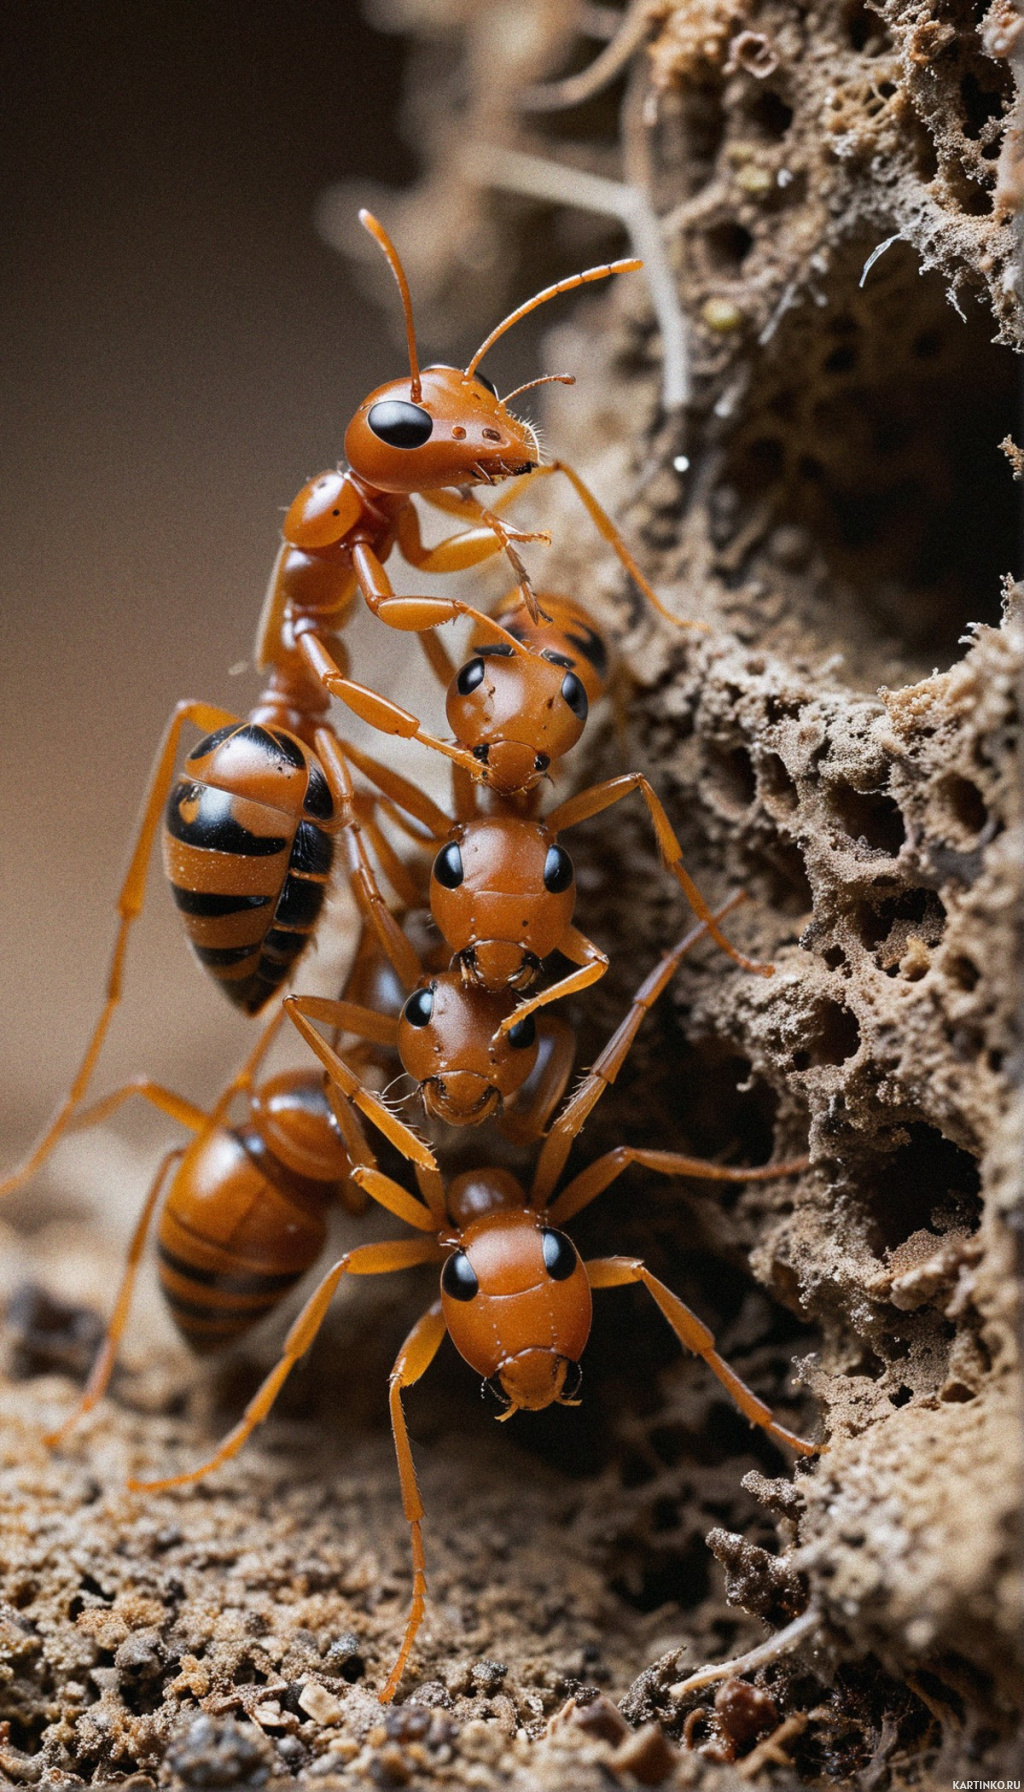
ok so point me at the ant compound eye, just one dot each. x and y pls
(458, 1278)
(448, 867)
(575, 695)
(541, 762)
(484, 381)
(419, 1008)
(557, 870)
(523, 1034)
(482, 752)
(470, 676)
(560, 1257)
(400, 424)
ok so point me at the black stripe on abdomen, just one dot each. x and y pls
(226, 1282)
(210, 905)
(203, 817)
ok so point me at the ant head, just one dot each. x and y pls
(517, 1304)
(444, 428)
(448, 1040)
(563, 631)
(502, 893)
(516, 712)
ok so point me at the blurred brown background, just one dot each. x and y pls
(181, 352)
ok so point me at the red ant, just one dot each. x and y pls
(515, 1297)
(434, 434)
(502, 890)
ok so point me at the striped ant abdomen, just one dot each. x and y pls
(246, 1214)
(247, 857)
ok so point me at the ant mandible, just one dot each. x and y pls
(515, 1296)
(434, 433)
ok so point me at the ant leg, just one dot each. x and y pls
(365, 1260)
(101, 1370)
(523, 1121)
(613, 536)
(402, 791)
(379, 712)
(459, 552)
(381, 1029)
(606, 1068)
(602, 796)
(129, 907)
(412, 613)
(365, 888)
(404, 885)
(592, 1181)
(413, 1360)
(579, 950)
(615, 1272)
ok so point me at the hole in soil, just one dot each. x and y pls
(786, 880)
(926, 1180)
(770, 115)
(902, 1397)
(964, 804)
(832, 1034)
(730, 775)
(886, 433)
(980, 104)
(681, 1577)
(886, 927)
(728, 246)
(869, 817)
(719, 1106)
(778, 790)
(865, 29)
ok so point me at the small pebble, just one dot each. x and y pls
(319, 1704)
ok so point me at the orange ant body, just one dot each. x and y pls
(435, 433)
(245, 1215)
(502, 890)
(248, 843)
(515, 1297)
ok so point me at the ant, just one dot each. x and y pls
(515, 1297)
(435, 433)
(502, 890)
(246, 1210)
(248, 845)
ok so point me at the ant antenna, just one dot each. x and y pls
(541, 298)
(378, 232)
(549, 379)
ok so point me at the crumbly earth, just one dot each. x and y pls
(844, 743)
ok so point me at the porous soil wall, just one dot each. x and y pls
(843, 742)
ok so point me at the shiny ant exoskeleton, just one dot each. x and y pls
(515, 1297)
(434, 434)
(515, 710)
(249, 827)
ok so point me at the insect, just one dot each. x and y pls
(248, 835)
(515, 1297)
(434, 434)
(502, 886)
(246, 1209)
